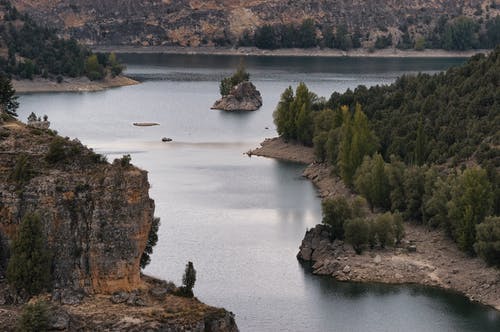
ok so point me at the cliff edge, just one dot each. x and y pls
(96, 218)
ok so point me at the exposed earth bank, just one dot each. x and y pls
(81, 84)
(312, 52)
(436, 261)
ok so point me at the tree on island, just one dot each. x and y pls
(8, 99)
(227, 83)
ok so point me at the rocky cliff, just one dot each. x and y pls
(96, 217)
(221, 22)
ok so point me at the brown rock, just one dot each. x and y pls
(243, 97)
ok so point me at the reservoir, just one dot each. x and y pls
(240, 220)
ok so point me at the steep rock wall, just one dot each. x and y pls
(96, 216)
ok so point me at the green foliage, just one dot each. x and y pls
(23, 170)
(413, 184)
(488, 240)
(152, 240)
(241, 75)
(471, 201)
(188, 280)
(456, 110)
(29, 265)
(336, 212)
(356, 141)
(34, 318)
(420, 44)
(384, 229)
(8, 99)
(459, 34)
(125, 161)
(294, 116)
(93, 69)
(357, 233)
(371, 181)
(61, 149)
(383, 41)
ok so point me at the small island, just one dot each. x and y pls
(238, 93)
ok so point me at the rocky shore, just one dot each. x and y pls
(81, 84)
(435, 262)
(289, 52)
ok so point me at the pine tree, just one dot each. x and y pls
(188, 280)
(283, 117)
(420, 144)
(152, 240)
(29, 265)
(8, 99)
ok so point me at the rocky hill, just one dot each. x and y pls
(96, 219)
(224, 22)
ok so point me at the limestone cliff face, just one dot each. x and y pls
(195, 22)
(96, 216)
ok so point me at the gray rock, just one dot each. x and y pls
(120, 297)
(377, 259)
(59, 320)
(347, 269)
(412, 248)
(243, 97)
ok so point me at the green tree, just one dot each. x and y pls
(487, 245)
(188, 280)
(357, 141)
(398, 227)
(356, 233)
(307, 33)
(8, 98)
(29, 265)
(413, 182)
(264, 37)
(471, 201)
(34, 318)
(336, 211)
(384, 228)
(420, 144)
(241, 75)
(435, 211)
(152, 240)
(460, 34)
(372, 182)
(93, 68)
(284, 118)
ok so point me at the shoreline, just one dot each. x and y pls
(80, 84)
(437, 262)
(292, 52)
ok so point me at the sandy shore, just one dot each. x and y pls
(81, 84)
(314, 52)
(437, 261)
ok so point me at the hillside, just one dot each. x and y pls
(338, 23)
(29, 50)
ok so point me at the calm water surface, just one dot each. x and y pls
(240, 219)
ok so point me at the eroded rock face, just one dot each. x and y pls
(243, 97)
(218, 22)
(96, 216)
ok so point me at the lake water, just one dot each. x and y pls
(240, 219)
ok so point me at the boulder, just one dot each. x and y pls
(242, 97)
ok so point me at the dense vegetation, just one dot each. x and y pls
(32, 50)
(425, 146)
(458, 33)
(227, 83)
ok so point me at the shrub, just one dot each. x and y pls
(22, 171)
(227, 83)
(152, 240)
(357, 233)
(487, 245)
(336, 212)
(34, 318)
(384, 229)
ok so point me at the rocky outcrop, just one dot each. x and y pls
(221, 22)
(243, 97)
(96, 216)
(425, 257)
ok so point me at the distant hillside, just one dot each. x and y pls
(274, 23)
(28, 49)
